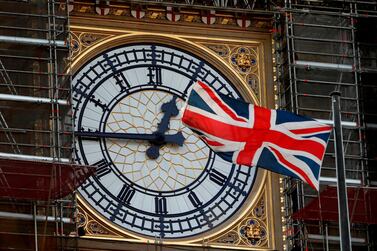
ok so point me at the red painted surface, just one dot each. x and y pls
(362, 205)
(37, 180)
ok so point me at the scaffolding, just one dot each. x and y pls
(35, 122)
(321, 47)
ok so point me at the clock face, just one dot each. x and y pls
(154, 177)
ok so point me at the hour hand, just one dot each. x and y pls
(154, 138)
(169, 109)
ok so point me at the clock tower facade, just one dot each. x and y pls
(156, 181)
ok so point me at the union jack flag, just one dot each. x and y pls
(250, 135)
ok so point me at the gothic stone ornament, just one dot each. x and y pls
(172, 15)
(243, 22)
(81, 219)
(102, 7)
(253, 232)
(80, 42)
(221, 50)
(243, 59)
(209, 17)
(231, 237)
(137, 12)
(253, 81)
(94, 228)
(155, 178)
(88, 39)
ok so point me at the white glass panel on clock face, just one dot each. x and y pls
(92, 150)
(91, 117)
(137, 76)
(107, 91)
(175, 80)
(178, 205)
(176, 167)
(142, 202)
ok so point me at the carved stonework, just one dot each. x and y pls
(95, 228)
(221, 50)
(80, 42)
(244, 59)
(253, 81)
(88, 39)
(81, 219)
(251, 231)
(154, 12)
(231, 237)
(191, 18)
(92, 226)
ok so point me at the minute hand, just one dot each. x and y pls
(171, 138)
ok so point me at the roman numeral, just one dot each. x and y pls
(194, 199)
(217, 177)
(121, 81)
(155, 75)
(126, 194)
(103, 168)
(160, 205)
(98, 102)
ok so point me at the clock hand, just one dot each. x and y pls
(155, 138)
(169, 109)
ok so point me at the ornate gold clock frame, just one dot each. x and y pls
(245, 57)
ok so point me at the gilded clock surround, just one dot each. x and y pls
(245, 64)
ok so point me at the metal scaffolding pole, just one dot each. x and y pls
(344, 222)
(35, 226)
(31, 41)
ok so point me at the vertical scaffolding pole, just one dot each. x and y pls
(344, 224)
(35, 226)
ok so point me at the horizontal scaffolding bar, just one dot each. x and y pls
(32, 41)
(324, 82)
(307, 94)
(323, 54)
(30, 15)
(371, 125)
(321, 25)
(24, 57)
(32, 157)
(325, 110)
(312, 39)
(38, 100)
(19, 216)
(333, 238)
(373, 183)
(343, 123)
(324, 65)
(331, 180)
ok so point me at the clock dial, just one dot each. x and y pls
(154, 177)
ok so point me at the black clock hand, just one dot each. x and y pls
(155, 138)
(169, 109)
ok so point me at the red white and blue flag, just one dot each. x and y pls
(250, 135)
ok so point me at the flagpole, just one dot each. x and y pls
(344, 224)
